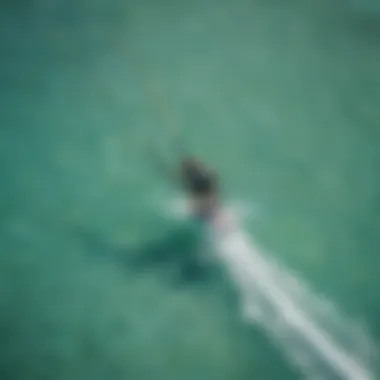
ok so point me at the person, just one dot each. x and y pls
(202, 186)
(199, 182)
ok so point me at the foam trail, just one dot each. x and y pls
(312, 333)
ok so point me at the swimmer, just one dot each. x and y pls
(198, 181)
(202, 186)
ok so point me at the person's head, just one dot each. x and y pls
(190, 164)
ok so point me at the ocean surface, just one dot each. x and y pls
(101, 274)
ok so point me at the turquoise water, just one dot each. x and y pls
(97, 280)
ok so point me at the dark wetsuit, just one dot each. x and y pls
(200, 182)
(203, 187)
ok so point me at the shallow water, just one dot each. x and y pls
(98, 281)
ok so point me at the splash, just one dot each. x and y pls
(312, 333)
(180, 208)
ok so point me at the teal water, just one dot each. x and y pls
(97, 281)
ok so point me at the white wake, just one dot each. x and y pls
(311, 332)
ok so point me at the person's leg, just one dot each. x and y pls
(205, 206)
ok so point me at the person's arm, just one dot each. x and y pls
(179, 148)
(215, 180)
(164, 167)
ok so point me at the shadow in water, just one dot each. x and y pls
(179, 256)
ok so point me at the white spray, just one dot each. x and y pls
(314, 336)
